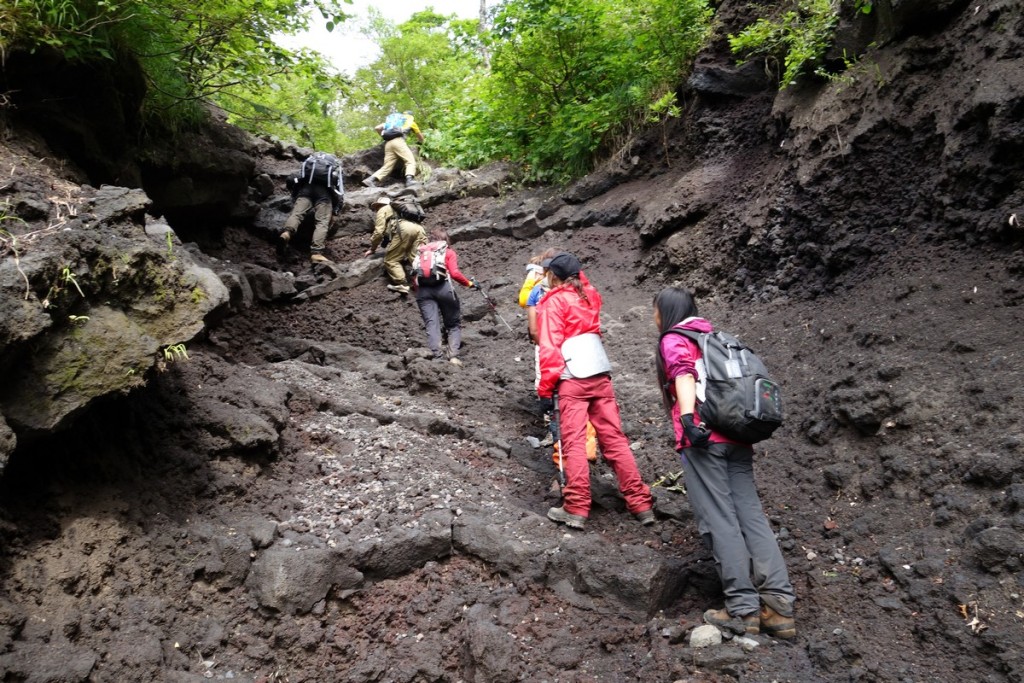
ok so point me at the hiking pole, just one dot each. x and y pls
(556, 427)
(494, 307)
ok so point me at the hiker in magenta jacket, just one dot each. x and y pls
(571, 309)
(719, 474)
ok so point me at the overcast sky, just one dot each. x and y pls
(348, 50)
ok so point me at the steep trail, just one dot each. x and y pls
(307, 499)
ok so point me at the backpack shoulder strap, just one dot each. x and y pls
(701, 365)
(689, 334)
(699, 338)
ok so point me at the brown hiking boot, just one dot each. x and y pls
(749, 625)
(570, 520)
(774, 624)
(317, 257)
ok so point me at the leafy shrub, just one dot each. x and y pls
(569, 78)
(798, 37)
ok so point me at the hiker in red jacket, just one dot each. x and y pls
(435, 267)
(573, 364)
(719, 474)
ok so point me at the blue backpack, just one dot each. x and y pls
(394, 126)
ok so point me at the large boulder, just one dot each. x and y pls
(293, 580)
(202, 179)
(88, 310)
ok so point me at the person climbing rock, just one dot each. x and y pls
(317, 187)
(719, 476)
(573, 363)
(401, 238)
(394, 129)
(436, 266)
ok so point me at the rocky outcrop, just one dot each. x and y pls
(202, 179)
(92, 304)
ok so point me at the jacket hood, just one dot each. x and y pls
(695, 324)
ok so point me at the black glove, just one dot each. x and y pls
(547, 405)
(698, 436)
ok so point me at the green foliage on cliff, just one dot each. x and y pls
(570, 78)
(189, 51)
(795, 38)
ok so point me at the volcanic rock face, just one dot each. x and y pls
(93, 302)
(301, 493)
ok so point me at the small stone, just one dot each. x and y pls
(705, 636)
(748, 644)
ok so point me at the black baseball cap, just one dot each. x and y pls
(563, 265)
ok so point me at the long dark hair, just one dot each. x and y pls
(674, 305)
(577, 284)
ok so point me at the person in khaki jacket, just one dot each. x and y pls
(401, 239)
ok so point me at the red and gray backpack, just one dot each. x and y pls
(430, 267)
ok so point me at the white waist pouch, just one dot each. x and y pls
(584, 356)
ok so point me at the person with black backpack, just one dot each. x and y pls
(719, 469)
(436, 266)
(396, 226)
(393, 130)
(317, 186)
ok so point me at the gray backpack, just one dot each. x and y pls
(740, 400)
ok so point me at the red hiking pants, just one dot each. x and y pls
(593, 399)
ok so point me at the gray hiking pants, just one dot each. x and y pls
(439, 303)
(720, 486)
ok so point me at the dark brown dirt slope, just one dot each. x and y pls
(858, 237)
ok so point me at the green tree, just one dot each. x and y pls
(426, 65)
(569, 79)
(298, 105)
(190, 52)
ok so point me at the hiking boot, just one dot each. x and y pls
(749, 625)
(646, 517)
(774, 624)
(401, 289)
(317, 257)
(282, 244)
(370, 181)
(570, 520)
(455, 361)
(410, 181)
